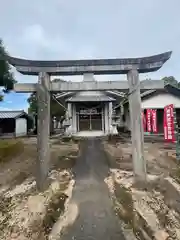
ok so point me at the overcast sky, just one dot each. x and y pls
(76, 29)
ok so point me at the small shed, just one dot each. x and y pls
(14, 123)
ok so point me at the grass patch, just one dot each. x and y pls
(10, 148)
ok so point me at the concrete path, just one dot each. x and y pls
(90, 134)
(96, 218)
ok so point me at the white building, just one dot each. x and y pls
(14, 123)
(155, 99)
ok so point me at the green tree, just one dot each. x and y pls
(56, 110)
(6, 76)
(171, 80)
(32, 100)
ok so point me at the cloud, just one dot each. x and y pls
(34, 34)
(5, 109)
(9, 102)
(66, 29)
(42, 44)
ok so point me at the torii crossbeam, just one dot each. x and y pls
(130, 66)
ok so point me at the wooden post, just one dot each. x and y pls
(137, 134)
(43, 127)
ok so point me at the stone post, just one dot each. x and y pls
(74, 121)
(43, 98)
(54, 123)
(102, 114)
(137, 134)
(106, 118)
(70, 112)
(110, 117)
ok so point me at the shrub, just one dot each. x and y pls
(10, 148)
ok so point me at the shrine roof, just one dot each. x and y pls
(91, 96)
(13, 114)
(169, 88)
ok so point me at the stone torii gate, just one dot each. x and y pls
(130, 66)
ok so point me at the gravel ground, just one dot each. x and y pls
(95, 218)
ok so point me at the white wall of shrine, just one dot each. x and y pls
(160, 100)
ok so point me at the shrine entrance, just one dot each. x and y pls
(90, 117)
(90, 121)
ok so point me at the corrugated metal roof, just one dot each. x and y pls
(144, 94)
(168, 87)
(11, 114)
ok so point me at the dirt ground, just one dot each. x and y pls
(16, 170)
(151, 213)
(26, 213)
(154, 211)
(160, 157)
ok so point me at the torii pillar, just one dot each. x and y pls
(137, 132)
(130, 66)
(43, 127)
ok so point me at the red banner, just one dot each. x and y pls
(165, 125)
(169, 133)
(154, 120)
(148, 119)
(143, 121)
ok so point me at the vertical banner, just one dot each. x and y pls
(143, 120)
(169, 131)
(148, 120)
(165, 124)
(154, 120)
